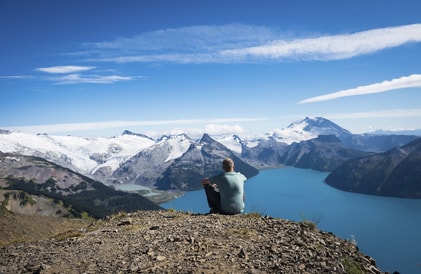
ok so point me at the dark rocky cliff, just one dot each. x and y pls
(396, 173)
(324, 153)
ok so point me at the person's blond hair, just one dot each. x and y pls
(227, 164)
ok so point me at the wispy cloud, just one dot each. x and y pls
(91, 79)
(398, 83)
(72, 75)
(235, 43)
(75, 78)
(388, 113)
(16, 76)
(213, 125)
(244, 43)
(198, 131)
(190, 39)
(64, 69)
(332, 47)
(193, 44)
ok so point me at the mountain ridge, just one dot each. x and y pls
(36, 176)
(324, 153)
(395, 173)
(133, 158)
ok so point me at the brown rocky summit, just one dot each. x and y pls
(178, 242)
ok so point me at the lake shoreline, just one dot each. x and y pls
(378, 224)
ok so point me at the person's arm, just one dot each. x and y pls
(205, 181)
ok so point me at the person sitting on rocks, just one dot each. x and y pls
(225, 191)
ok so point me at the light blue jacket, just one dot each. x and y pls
(231, 190)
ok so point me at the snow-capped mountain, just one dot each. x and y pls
(147, 165)
(302, 130)
(177, 145)
(136, 158)
(309, 128)
(203, 158)
(233, 142)
(80, 154)
(93, 155)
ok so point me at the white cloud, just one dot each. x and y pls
(242, 43)
(198, 131)
(70, 75)
(64, 69)
(75, 78)
(215, 129)
(206, 124)
(16, 77)
(387, 119)
(193, 44)
(332, 47)
(91, 79)
(398, 83)
(174, 58)
(190, 39)
(389, 113)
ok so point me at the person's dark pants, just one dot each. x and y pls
(213, 198)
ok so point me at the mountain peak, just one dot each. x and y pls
(206, 139)
(309, 128)
(182, 136)
(319, 125)
(128, 132)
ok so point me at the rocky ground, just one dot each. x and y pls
(177, 242)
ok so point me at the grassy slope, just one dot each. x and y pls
(15, 227)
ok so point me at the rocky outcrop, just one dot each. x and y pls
(176, 242)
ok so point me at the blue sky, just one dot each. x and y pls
(97, 67)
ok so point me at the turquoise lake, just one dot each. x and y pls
(387, 229)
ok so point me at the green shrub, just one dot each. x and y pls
(312, 222)
(351, 266)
